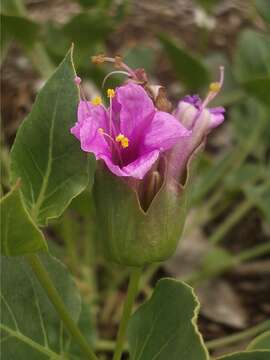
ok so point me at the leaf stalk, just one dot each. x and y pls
(130, 298)
(52, 293)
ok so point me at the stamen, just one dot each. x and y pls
(214, 88)
(110, 93)
(102, 132)
(117, 60)
(96, 101)
(119, 137)
(113, 142)
(123, 140)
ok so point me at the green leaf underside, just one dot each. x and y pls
(45, 156)
(188, 68)
(19, 235)
(30, 327)
(248, 355)
(261, 342)
(165, 326)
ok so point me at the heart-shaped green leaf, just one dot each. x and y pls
(19, 234)
(261, 342)
(165, 326)
(30, 327)
(45, 156)
(247, 355)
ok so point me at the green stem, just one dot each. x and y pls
(108, 345)
(252, 253)
(67, 227)
(45, 281)
(227, 340)
(131, 294)
(246, 255)
(231, 220)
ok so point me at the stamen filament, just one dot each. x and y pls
(110, 93)
(100, 59)
(112, 73)
(113, 142)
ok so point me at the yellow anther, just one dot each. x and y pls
(123, 140)
(125, 143)
(110, 93)
(119, 137)
(96, 101)
(214, 87)
(101, 131)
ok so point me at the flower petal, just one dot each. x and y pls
(142, 164)
(186, 113)
(217, 116)
(136, 109)
(82, 114)
(87, 111)
(181, 152)
(92, 140)
(87, 129)
(164, 132)
(137, 169)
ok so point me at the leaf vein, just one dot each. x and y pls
(40, 199)
(10, 311)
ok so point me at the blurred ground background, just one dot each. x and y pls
(226, 245)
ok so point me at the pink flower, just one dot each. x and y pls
(195, 116)
(200, 121)
(131, 134)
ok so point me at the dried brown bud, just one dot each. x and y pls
(141, 76)
(158, 94)
(98, 59)
(162, 103)
(118, 61)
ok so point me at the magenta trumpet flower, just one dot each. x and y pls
(131, 134)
